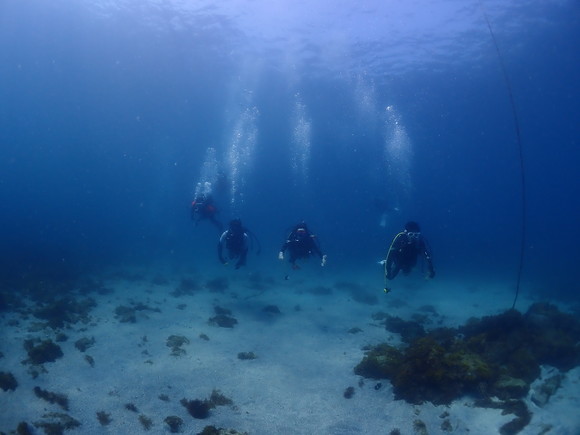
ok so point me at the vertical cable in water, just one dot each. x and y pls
(520, 153)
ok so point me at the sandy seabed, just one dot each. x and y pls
(304, 358)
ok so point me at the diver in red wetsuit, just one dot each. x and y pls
(203, 208)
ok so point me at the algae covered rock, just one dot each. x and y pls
(546, 388)
(492, 356)
(382, 361)
(431, 372)
(212, 430)
(507, 387)
(59, 313)
(175, 342)
(428, 370)
(8, 381)
(51, 397)
(247, 355)
(84, 343)
(174, 423)
(40, 352)
(223, 318)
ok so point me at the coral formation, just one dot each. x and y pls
(223, 318)
(125, 314)
(84, 343)
(65, 311)
(129, 314)
(8, 381)
(23, 429)
(131, 407)
(212, 430)
(90, 360)
(218, 399)
(104, 418)
(42, 352)
(542, 392)
(223, 321)
(146, 422)
(174, 423)
(446, 425)
(410, 330)
(200, 409)
(60, 399)
(222, 311)
(516, 407)
(496, 356)
(419, 427)
(60, 337)
(175, 342)
(348, 393)
(382, 361)
(197, 408)
(56, 423)
(247, 355)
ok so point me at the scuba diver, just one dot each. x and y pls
(404, 250)
(301, 243)
(203, 208)
(236, 239)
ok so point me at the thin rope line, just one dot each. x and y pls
(520, 152)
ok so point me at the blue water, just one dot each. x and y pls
(108, 108)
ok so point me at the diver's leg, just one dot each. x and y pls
(242, 261)
(392, 269)
(293, 258)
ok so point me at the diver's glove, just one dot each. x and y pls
(323, 262)
(280, 255)
(382, 262)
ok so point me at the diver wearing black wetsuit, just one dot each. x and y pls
(404, 250)
(301, 243)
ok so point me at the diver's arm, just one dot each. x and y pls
(283, 249)
(285, 245)
(315, 247)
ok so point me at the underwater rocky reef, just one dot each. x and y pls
(491, 357)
